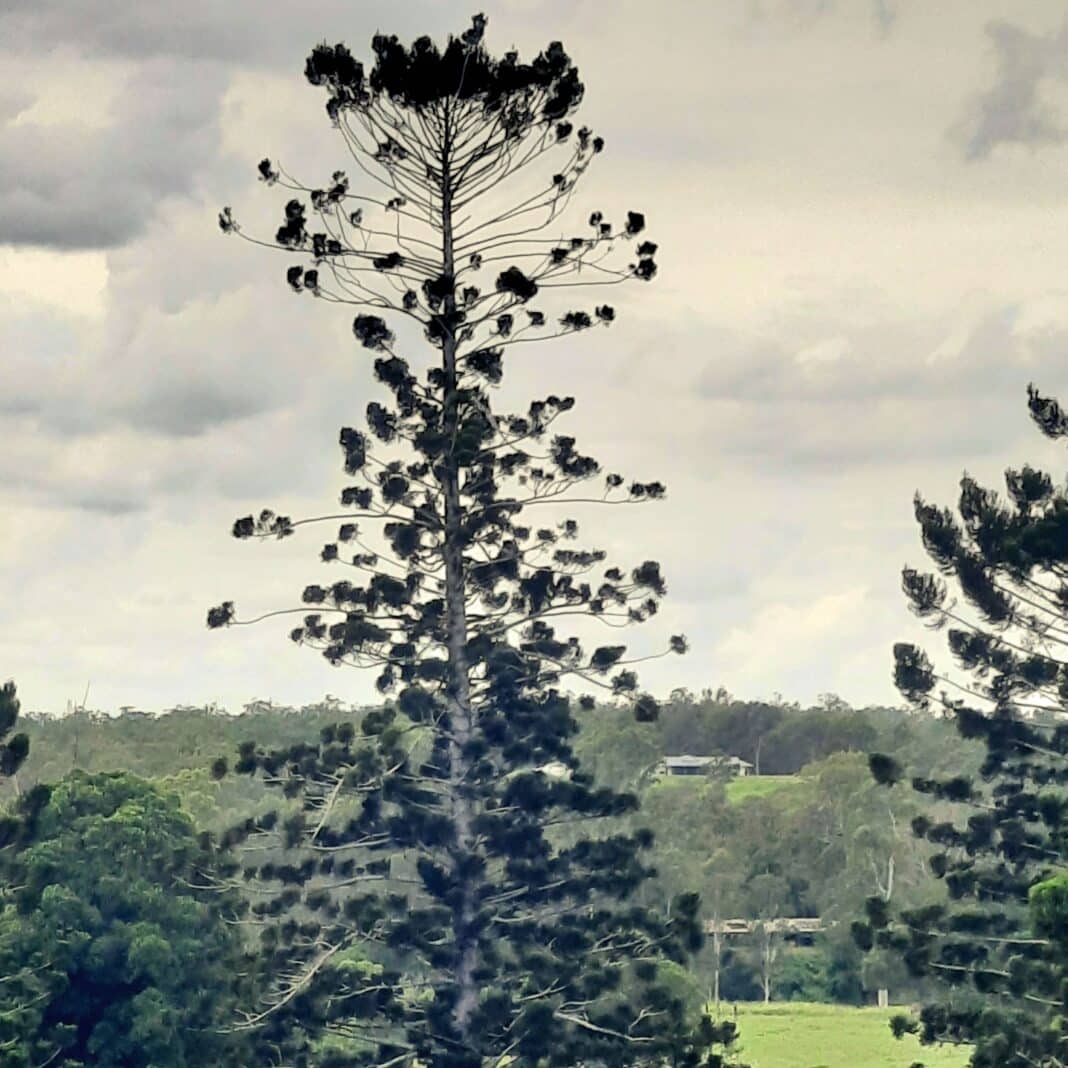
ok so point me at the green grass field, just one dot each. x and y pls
(797, 1035)
(758, 786)
(737, 789)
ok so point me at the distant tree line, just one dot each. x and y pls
(189, 739)
(817, 847)
(775, 737)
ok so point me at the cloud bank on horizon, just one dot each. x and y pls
(862, 236)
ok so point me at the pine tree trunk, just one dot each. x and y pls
(466, 937)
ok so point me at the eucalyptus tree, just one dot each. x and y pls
(437, 906)
(1001, 837)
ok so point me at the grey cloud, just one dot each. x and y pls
(164, 378)
(13, 101)
(884, 13)
(883, 395)
(880, 361)
(188, 409)
(1012, 110)
(72, 187)
(249, 31)
(103, 504)
(826, 439)
(149, 405)
(47, 472)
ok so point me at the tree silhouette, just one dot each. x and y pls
(435, 904)
(14, 748)
(1000, 839)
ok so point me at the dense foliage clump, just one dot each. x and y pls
(814, 842)
(114, 945)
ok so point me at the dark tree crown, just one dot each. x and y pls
(423, 75)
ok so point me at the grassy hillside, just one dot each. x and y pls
(737, 789)
(758, 786)
(796, 1035)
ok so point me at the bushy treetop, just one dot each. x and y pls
(416, 77)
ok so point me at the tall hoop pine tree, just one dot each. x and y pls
(437, 839)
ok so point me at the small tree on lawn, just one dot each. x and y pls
(434, 907)
(1001, 840)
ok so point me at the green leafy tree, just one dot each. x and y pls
(769, 895)
(748, 726)
(722, 895)
(851, 838)
(800, 738)
(617, 749)
(154, 746)
(1004, 838)
(113, 945)
(709, 725)
(434, 836)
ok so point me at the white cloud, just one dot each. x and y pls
(74, 283)
(829, 350)
(794, 635)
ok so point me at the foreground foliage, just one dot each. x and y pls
(113, 951)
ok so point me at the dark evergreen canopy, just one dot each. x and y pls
(998, 939)
(14, 748)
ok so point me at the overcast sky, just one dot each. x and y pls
(864, 251)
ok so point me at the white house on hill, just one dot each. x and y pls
(700, 765)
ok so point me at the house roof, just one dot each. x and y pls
(686, 760)
(782, 925)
